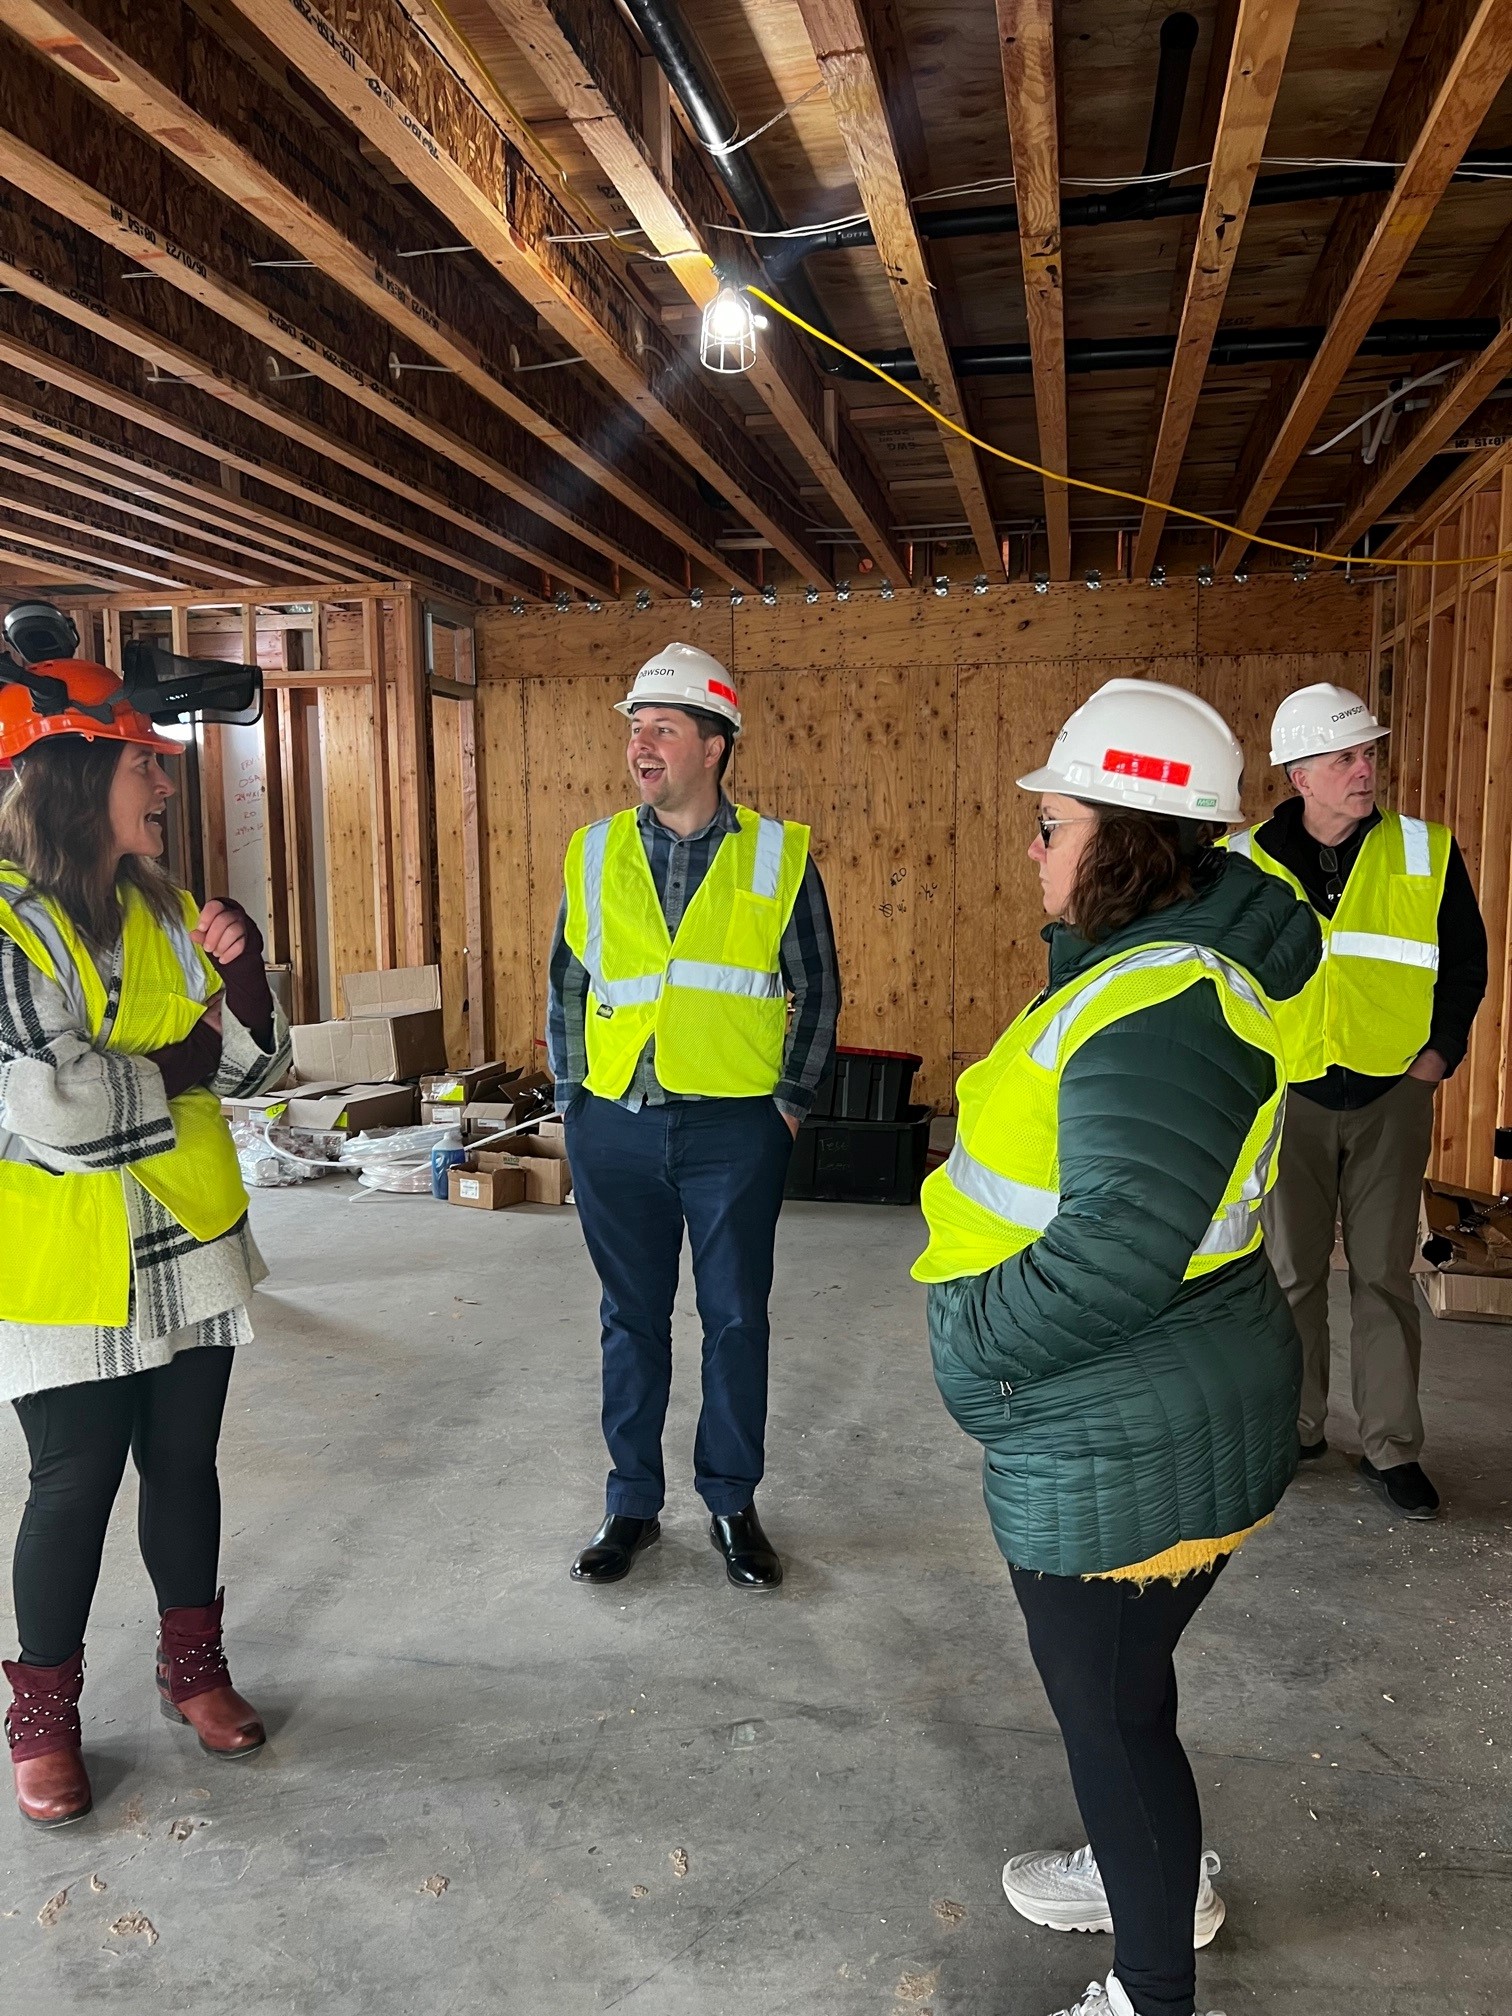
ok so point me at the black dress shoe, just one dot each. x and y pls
(1404, 1486)
(750, 1558)
(609, 1554)
(1311, 1451)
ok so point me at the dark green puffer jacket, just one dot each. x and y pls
(1144, 1410)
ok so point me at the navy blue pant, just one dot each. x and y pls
(718, 1166)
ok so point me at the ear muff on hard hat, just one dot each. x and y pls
(1147, 747)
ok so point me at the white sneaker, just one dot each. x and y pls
(1107, 1998)
(1064, 1893)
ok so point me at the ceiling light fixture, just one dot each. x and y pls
(727, 336)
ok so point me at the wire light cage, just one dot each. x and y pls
(727, 339)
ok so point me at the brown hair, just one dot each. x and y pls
(1133, 863)
(55, 826)
(709, 725)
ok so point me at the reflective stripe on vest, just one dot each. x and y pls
(1377, 945)
(1026, 1204)
(1046, 1046)
(641, 990)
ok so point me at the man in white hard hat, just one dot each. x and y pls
(694, 997)
(1383, 1021)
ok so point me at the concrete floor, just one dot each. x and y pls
(411, 1457)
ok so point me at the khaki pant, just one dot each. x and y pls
(1364, 1170)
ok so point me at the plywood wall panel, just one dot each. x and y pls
(508, 898)
(451, 883)
(346, 750)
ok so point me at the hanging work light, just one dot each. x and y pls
(727, 340)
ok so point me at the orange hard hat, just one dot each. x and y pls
(70, 696)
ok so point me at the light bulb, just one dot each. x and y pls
(727, 338)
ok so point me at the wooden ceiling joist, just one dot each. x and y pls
(22, 498)
(30, 568)
(77, 477)
(12, 535)
(196, 372)
(1261, 39)
(1464, 86)
(405, 94)
(225, 123)
(143, 245)
(51, 406)
(1026, 36)
(849, 66)
(581, 53)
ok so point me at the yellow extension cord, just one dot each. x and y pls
(1103, 489)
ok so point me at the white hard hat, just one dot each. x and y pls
(680, 675)
(1319, 720)
(1150, 747)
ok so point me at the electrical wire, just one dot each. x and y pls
(1104, 489)
(734, 145)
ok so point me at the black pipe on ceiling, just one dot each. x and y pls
(1230, 346)
(666, 35)
(1178, 38)
(1136, 203)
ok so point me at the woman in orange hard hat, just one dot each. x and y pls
(125, 1015)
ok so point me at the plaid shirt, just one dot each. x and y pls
(809, 972)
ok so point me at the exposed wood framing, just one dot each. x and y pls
(404, 92)
(227, 125)
(100, 518)
(584, 54)
(1445, 659)
(381, 789)
(107, 220)
(76, 552)
(478, 1015)
(849, 66)
(1471, 79)
(1026, 33)
(1262, 36)
(54, 393)
(412, 716)
(212, 783)
(74, 569)
(392, 522)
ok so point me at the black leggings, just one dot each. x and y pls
(169, 1419)
(1103, 1650)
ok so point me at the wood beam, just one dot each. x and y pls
(141, 243)
(21, 498)
(71, 303)
(66, 406)
(73, 570)
(1477, 469)
(77, 551)
(1026, 34)
(849, 65)
(585, 55)
(381, 799)
(76, 476)
(1470, 82)
(412, 718)
(246, 141)
(1262, 37)
(405, 92)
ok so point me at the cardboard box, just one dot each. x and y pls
(1476, 1225)
(524, 1098)
(329, 1108)
(1468, 1298)
(455, 1088)
(393, 1030)
(486, 1189)
(548, 1178)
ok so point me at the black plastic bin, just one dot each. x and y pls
(868, 1085)
(860, 1161)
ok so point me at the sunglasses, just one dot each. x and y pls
(1047, 826)
(1328, 861)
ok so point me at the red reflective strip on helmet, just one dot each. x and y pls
(724, 692)
(1152, 769)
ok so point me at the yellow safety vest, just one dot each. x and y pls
(1369, 1005)
(67, 1238)
(1000, 1189)
(713, 997)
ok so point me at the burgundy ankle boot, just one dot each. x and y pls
(195, 1684)
(42, 1728)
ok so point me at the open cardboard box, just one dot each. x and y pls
(1474, 1282)
(393, 1029)
(443, 1094)
(523, 1098)
(327, 1108)
(541, 1156)
(486, 1183)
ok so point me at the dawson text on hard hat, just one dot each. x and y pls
(680, 675)
(1149, 747)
